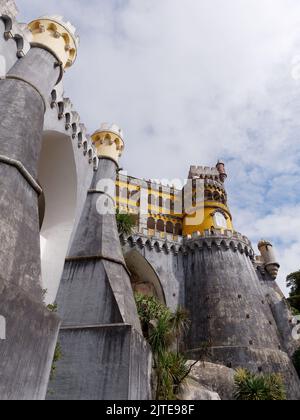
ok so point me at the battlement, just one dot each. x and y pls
(228, 240)
(73, 126)
(203, 172)
(217, 173)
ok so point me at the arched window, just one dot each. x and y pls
(170, 227)
(178, 229)
(151, 223)
(208, 195)
(220, 220)
(160, 226)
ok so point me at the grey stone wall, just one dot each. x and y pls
(104, 353)
(281, 311)
(27, 352)
(230, 312)
(167, 263)
(110, 362)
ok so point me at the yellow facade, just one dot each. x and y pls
(208, 221)
(211, 215)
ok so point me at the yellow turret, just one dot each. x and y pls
(57, 36)
(109, 142)
(206, 204)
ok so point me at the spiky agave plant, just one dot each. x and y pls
(180, 323)
(172, 370)
(252, 387)
(161, 333)
(161, 328)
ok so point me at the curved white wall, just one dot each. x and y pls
(58, 178)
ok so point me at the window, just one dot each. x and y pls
(151, 223)
(178, 229)
(170, 227)
(220, 221)
(160, 226)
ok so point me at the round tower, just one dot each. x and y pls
(108, 141)
(57, 36)
(205, 201)
(268, 258)
(232, 323)
(24, 95)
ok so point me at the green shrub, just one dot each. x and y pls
(57, 357)
(253, 387)
(163, 329)
(125, 223)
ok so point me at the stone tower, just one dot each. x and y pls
(26, 354)
(229, 310)
(104, 353)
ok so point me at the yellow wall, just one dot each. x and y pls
(208, 220)
(190, 223)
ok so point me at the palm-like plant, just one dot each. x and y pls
(161, 334)
(180, 323)
(252, 387)
(161, 328)
(172, 370)
(125, 223)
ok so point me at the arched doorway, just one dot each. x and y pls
(57, 207)
(144, 278)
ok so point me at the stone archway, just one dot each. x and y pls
(57, 207)
(144, 278)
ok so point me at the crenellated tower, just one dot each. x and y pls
(207, 210)
(26, 355)
(231, 311)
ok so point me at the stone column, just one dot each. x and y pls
(104, 353)
(31, 331)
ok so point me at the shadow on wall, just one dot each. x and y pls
(58, 178)
(144, 279)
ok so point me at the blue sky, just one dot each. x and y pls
(192, 81)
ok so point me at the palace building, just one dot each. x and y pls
(60, 189)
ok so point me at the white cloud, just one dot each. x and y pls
(190, 81)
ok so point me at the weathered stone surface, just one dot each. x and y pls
(167, 267)
(103, 358)
(218, 378)
(193, 391)
(281, 312)
(108, 362)
(26, 354)
(229, 312)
